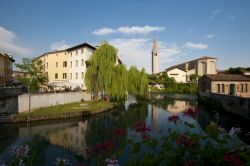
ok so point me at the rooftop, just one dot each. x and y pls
(8, 56)
(227, 77)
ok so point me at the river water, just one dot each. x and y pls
(68, 138)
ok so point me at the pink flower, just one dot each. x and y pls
(173, 118)
(107, 145)
(184, 140)
(141, 127)
(119, 132)
(233, 160)
(191, 112)
(190, 163)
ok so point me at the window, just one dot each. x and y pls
(82, 51)
(56, 76)
(82, 75)
(76, 52)
(241, 88)
(246, 88)
(71, 76)
(76, 63)
(218, 88)
(82, 62)
(76, 76)
(174, 74)
(71, 54)
(64, 63)
(70, 64)
(64, 75)
(47, 65)
(223, 88)
(56, 64)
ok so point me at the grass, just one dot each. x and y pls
(72, 107)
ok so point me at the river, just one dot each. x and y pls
(69, 137)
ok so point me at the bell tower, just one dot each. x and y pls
(155, 67)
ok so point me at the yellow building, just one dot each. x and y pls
(56, 66)
(6, 64)
(67, 68)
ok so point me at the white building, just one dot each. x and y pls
(197, 67)
(78, 61)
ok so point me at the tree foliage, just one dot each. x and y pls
(35, 76)
(138, 81)
(106, 76)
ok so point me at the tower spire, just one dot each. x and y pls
(155, 43)
(155, 67)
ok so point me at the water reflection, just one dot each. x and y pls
(69, 137)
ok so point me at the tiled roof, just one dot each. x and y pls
(201, 58)
(8, 56)
(227, 77)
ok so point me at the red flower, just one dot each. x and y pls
(184, 140)
(141, 127)
(119, 132)
(107, 145)
(173, 118)
(190, 163)
(233, 160)
(81, 164)
(191, 112)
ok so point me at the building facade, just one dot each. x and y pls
(6, 65)
(155, 66)
(197, 68)
(67, 68)
(226, 84)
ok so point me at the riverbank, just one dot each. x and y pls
(77, 109)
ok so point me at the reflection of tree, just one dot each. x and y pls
(100, 129)
(38, 146)
(8, 135)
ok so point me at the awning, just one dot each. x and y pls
(59, 84)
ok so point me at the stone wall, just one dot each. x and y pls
(49, 99)
(234, 104)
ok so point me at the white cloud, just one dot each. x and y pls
(137, 52)
(8, 43)
(139, 30)
(104, 31)
(128, 30)
(61, 45)
(232, 18)
(209, 36)
(189, 31)
(196, 46)
(214, 13)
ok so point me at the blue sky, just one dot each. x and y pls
(185, 29)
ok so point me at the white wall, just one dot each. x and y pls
(79, 82)
(49, 99)
(178, 75)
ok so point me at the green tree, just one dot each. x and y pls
(137, 81)
(102, 72)
(35, 76)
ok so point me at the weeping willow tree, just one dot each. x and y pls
(102, 72)
(118, 88)
(138, 81)
(106, 76)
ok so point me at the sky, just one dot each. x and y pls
(185, 29)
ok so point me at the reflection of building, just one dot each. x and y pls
(178, 106)
(154, 118)
(197, 67)
(72, 138)
(6, 64)
(67, 67)
(227, 84)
